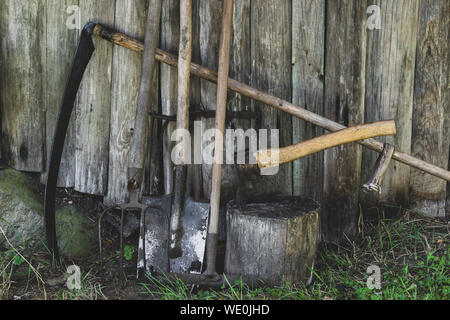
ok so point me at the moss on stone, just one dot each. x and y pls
(17, 185)
(75, 235)
(23, 218)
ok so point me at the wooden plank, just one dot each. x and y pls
(240, 60)
(126, 68)
(61, 45)
(344, 103)
(210, 16)
(308, 36)
(271, 71)
(430, 140)
(22, 83)
(240, 69)
(94, 102)
(170, 29)
(279, 104)
(196, 99)
(391, 54)
(447, 95)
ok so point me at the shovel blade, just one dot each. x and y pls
(193, 240)
(153, 253)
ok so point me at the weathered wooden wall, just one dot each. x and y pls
(321, 55)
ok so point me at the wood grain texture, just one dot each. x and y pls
(210, 16)
(240, 60)
(391, 53)
(240, 69)
(221, 109)
(412, 33)
(184, 77)
(271, 72)
(196, 99)
(22, 83)
(170, 30)
(430, 139)
(275, 246)
(126, 69)
(146, 96)
(308, 53)
(61, 45)
(326, 141)
(94, 106)
(344, 103)
(281, 105)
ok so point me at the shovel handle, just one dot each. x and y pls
(221, 106)
(275, 157)
(184, 73)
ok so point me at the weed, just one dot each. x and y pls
(128, 252)
(412, 254)
(90, 289)
(414, 265)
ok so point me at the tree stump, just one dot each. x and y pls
(272, 241)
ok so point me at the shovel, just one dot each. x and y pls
(153, 252)
(176, 244)
(222, 86)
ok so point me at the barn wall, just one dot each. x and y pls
(322, 55)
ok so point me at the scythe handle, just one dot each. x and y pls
(266, 98)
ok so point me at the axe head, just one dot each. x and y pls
(375, 181)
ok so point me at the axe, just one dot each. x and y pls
(270, 158)
(275, 157)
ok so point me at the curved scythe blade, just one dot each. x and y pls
(83, 54)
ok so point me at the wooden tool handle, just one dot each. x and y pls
(184, 73)
(128, 42)
(270, 158)
(145, 98)
(221, 107)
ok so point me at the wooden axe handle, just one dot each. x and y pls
(268, 158)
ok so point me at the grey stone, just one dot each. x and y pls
(22, 219)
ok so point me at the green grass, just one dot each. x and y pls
(412, 254)
(91, 289)
(13, 264)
